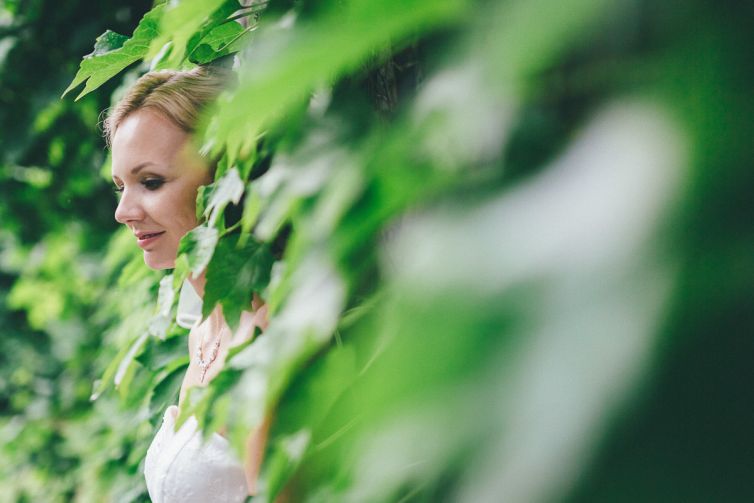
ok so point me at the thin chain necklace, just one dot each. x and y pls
(199, 355)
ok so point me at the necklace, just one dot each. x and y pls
(199, 355)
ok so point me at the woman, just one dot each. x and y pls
(157, 172)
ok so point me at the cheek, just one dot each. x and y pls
(183, 209)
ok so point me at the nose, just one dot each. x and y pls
(129, 209)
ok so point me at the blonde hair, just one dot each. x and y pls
(180, 96)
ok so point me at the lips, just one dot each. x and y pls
(144, 239)
(147, 235)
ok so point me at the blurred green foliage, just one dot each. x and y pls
(517, 261)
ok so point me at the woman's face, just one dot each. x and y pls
(157, 172)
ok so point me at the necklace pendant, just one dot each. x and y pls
(199, 354)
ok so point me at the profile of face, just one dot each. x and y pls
(157, 172)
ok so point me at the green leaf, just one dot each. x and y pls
(284, 457)
(108, 41)
(203, 194)
(235, 272)
(195, 403)
(218, 17)
(289, 63)
(530, 35)
(112, 369)
(126, 367)
(217, 415)
(200, 401)
(181, 21)
(135, 389)
(99, 67)
(198, 246)
(228, 189)
(160, 355)
(166, 391)
(220, 41)
(302, 410)
(160, 322)
(251, 210)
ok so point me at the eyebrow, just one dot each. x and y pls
(141, 166)
(135, 170)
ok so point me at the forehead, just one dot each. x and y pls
(145, 136)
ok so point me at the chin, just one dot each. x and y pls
(158, 263)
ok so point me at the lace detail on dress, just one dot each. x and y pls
(180, 468)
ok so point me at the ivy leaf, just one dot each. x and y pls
(165, 392)
(127, 365)
(251, 209)
(135, 388)
(112, 369)
(306, 405)
(167, 354)
(223, 165)
(220, 41)
(195, 403)
(200, 401)
(160, 322)
(236, 271)
(198, 246)
(203, 193)
(108, 41)
(228, 189)
(278, 80)
(286, 453)
(106, 60)
(181, 21)
(218, 17)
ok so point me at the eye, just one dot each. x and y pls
(152, 183)
(117, 189)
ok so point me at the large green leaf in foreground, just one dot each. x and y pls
(317, 52)
(233, 275)
(107, 60)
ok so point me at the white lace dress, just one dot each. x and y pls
(180, 466)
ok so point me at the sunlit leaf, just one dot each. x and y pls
(198, 246)
(125, 365)
(99, 67)
(252, 208)
(228, 189)
(182, 20)
(221, 40)
(160, 322)
(108, 41)
(112, 369)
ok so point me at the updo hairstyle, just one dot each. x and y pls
(179, 96)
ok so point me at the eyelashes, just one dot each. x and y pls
(148, 183)
(152, 183)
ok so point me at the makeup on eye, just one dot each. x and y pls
(150, 182)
